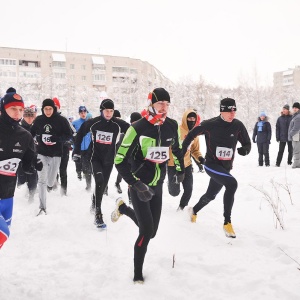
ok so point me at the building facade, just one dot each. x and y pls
(78, 78)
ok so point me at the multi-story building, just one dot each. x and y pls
(287, 84)
(78, 78)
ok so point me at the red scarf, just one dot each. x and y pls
(153, 117)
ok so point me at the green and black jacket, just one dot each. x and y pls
(130, 159)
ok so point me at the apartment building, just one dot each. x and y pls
(287, 84)
(78, 78)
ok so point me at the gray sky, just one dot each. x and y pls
(222, 40)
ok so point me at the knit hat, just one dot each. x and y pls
(192, 115)
(11, 99)
(11, 90)
(286, 106)
(135, 116)
(296, 105)
(82, 108)
(48, 102)
(28, 112)
(262, 114)
(56, 102)
(227, 105)
(159, 94)
(107, 104)
(117, 113)
(33, 107)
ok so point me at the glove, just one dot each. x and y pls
(54, 138)
(179, 177)
(38, 164)
(201, 160)
(76, 157)
(144, 192)
(200, 168)
(242, 151)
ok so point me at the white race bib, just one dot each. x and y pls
(157, 154)
(9, 167)
(46, 138)
(224, 153)
(103, 137)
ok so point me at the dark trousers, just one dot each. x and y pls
(281, 151)
(219, 177)
(263, 151)
(86, 167)
(63, 167)
(174, 188)
(101, 173)
(146, 216)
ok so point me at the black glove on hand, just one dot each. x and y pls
(144, 192)
(242, 151)
(201, 160)
(76, 158)
(179, 176)
(38, 164)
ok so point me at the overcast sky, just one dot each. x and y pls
(222, 40)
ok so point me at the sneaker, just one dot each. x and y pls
(192, 215)
(289, 163)
(42, 210)
(79, 175)
(99, 221)
(277, 165)
(92, 207)
(115, 215)
(118, 188)
(106, 191)
(229, 232)
(138, 280)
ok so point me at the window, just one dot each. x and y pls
(120, 69)
(8, 62)
(59, 75)
(72, 66)
(58, 64)
(83, 78)
(82, 67)
(99, 77)
(8, 74)
(30, 74)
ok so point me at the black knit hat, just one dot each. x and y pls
(117, 113)
(135, 116)
(159, 94)
(107, 104)
(11, 99)
(48, 102)
(192, 114)
(11, 90)
(296, 105)
(227, 105)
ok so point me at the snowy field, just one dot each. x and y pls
(62, 256)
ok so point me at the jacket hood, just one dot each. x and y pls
(184, 119)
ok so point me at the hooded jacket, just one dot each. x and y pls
(194, 150)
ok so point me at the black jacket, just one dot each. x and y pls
(220, 136)
(130, 160)
(263, 136)
(282, 127)
(105, 136)
(57, 127)
(15, 143)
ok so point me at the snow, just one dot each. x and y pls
(63, 256)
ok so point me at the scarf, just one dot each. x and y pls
(260, 125)
(153, 117)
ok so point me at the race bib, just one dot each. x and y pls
(157, 154)
(46, 138)
(103, 137)
(224, 153)
(9, 167)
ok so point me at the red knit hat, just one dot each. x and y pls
(56, 102)
(12, 99)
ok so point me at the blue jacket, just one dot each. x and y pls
(86, 141)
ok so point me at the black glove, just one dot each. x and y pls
(144, 192)
(38, 164)
(54, 138)
(242, 151)
(201, 160)
(200, 168)
(179, 176)
(76, 157)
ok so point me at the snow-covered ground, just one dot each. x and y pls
(63, 256)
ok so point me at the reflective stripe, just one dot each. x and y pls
(216, 172)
